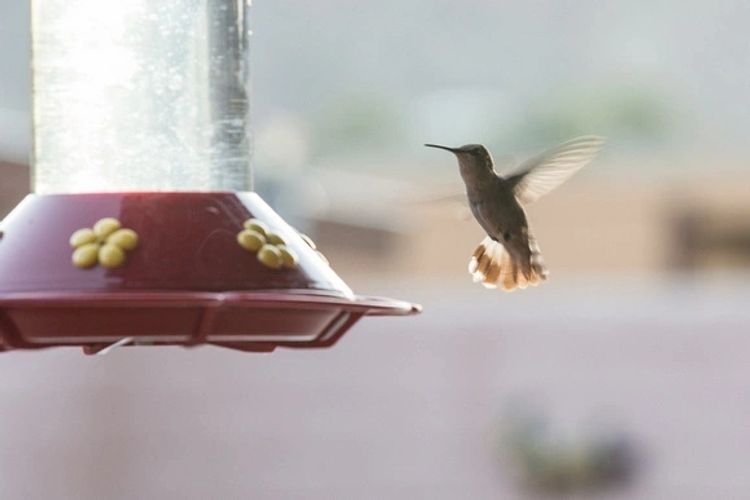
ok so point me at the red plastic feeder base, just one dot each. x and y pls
(187, 282)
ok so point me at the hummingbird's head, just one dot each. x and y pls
(470, 155)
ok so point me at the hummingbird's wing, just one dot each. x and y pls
(541, 174)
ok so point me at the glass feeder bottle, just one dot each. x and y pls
(140, 95)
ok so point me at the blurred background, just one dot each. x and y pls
(624, 376)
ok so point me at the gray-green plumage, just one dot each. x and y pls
(510, 255)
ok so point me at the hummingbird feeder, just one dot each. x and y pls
(143, 228)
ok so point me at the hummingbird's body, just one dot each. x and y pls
(510, 256)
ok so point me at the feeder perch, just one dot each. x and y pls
(141, 229)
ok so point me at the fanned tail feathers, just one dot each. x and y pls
(493, 266)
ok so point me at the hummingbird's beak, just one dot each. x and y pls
(452, 150)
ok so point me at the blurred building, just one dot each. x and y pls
(630, 227)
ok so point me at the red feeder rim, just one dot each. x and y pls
(187, 282)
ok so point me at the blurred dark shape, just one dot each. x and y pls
(14, 185)
(710, 238)
(613, 459)
(547, 463)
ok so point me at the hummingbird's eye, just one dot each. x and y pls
(506, 235)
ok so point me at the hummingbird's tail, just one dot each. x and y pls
(493, 266)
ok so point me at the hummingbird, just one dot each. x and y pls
(509, 256)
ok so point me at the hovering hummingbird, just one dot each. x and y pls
(509, 256)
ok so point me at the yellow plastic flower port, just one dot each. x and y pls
(269, 246)
(251, 240)
(105, 244)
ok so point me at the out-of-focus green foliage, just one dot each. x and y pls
(638, 115)
(360, 122)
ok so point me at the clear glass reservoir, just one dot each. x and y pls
(140, 95)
